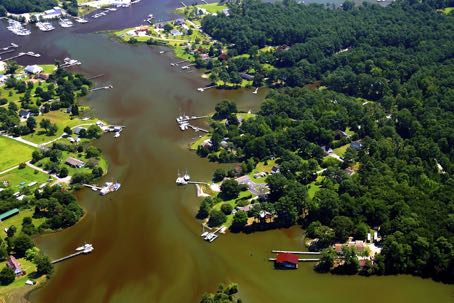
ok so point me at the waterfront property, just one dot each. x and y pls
(15, 265)
(76, 163)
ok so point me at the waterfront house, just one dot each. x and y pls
(245, 208)
(24, 114)
(76, 163)
(275, 169)
(358, 245)
(78, 129)
(246, 77)
(226, 12)
(53, 13)
(356, 145)
(43, 76)
(14, 265)
(33, 69)
(286, 261)
(179, 21)
(176, 32)
(9, 213)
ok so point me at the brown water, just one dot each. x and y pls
(147, 242)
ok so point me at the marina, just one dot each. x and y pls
(45, 26)
(183, 123)
(65, 23)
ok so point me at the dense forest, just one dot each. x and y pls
(363, 51)
(26, 6)
(382, 81)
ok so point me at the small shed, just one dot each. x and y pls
(286, 261)
(78, 129)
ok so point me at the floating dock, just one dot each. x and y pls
(299, 260)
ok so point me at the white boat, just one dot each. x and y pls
(203, 235)
(81, 20)
(45, 26)
(116, 135)
(65, 23)
(186, 176)
(256, 90)
(14, 45)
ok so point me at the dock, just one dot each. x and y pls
(179, 62)
(86, 249)
(102, 87)
(182, 3)
(7, 51)
(95, 77)
(31, 54)
(93, 187)
(202, 89)
(296, 252)
(183, 123)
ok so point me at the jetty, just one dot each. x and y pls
(85, 249)
(182, 3)
(104, 190)
(95, 77)
(202, 89)
(210, 235)
(7, 51)
(296, 252)
(102, 87)
(12, 45)
(31, 54)
(179, 62)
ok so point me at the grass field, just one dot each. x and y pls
(213, 7)
(17, 221)
(13, 153)
(62, 119)
(48, 68)
(233, 203)
(27, 175)
(30, 270)
(340, 151)
(199, 141)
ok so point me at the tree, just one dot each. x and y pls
(239, 221)
(217, 218)
(224, 109)
(219, 175)
(63, 172)
(43, 264)
(226, 208)
(31, 253)
(277, 184)
(343, 227)
(45, 123)
(230, 189)
(21, 244)
(31, 123)
(68, 130)
(7, 276)
(326, 262)
(97, 172)
(204, 209)
(11, 231)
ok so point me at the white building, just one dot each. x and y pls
(33, 69)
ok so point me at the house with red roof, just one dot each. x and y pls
(15, 265)
(286, 261)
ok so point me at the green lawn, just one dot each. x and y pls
(447, 10)
(62, 119)
(199, 141)
(13, 153)
(30, 269)
(17, 221)
(48, 68)
(245, 116)
(340, 151)
(233, 203)
(27, 175)
(261, 167)
(212, 7)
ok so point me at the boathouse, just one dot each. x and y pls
(9, 213)
(15, 265)
(286, 261)
(76, 163)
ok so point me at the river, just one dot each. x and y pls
(147, 242)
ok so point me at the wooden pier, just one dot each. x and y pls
(97, 76)
(93, 187)
(7, 51)
(296, 252)
(67, 257)
(102, 87)
(179, 62)
(195, 128)
(182, 3)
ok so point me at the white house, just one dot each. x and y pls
(3, 78)
(53, 13)
(33, 69)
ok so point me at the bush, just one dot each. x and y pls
(7, 276)
(226, 208)
(217, 218)
(22, 166)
